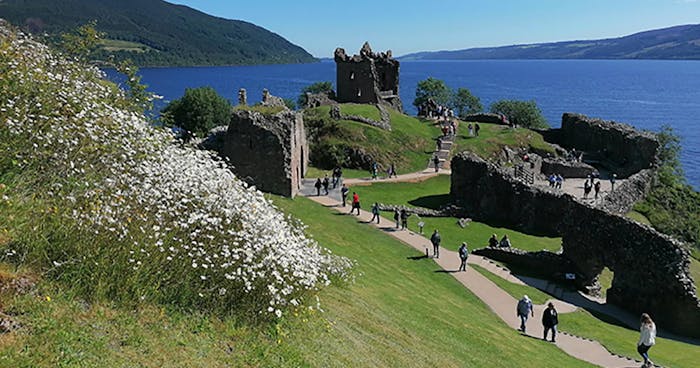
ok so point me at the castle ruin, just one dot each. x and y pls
(368, 78)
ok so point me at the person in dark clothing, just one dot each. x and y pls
(550, 320)
(463, 254)
(344, 193)
(326, 183)
(596, 187)
(337, 173)
(318, 186)
(435, 239)
(493, 241)
(436, 161)
(524, 310)
(404, 219)
(375, 212)
(476, 129)
(438, 143)
(397, 217)
(392, 170)
(586, 189)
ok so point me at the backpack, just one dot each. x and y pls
(523, 307)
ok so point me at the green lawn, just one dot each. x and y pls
(434, 192)
(608, 331)
(409, 145)
(402, 313)
(368, 111)
(636, 216)
(120, 45)
(493, 137)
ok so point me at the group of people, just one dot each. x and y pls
(430, 109)
(449, 128)
(555, 181)
(504, 243)
(550, 321)
(473, 129)
(401, 218)
(374, 170)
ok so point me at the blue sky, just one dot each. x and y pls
(417, 25)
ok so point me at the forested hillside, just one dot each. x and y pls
(157, 33)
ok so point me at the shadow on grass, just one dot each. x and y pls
(433, 202)
(416, 258)
(446, 271)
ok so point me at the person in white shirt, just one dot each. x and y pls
(647, 338)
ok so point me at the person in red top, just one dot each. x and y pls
(355, 203)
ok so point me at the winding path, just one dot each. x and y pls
(500, 302)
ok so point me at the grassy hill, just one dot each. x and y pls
(680, 42)
(157, 33)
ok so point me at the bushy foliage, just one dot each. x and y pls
(672, 206)
(434, 89)
(198, 111)
(318, 87)
(465, 103)
(93, 195)
(521, 113)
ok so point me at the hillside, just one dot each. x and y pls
(157, 33)
(680, 42)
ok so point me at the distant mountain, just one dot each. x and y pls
(680, 42)
(157, 33)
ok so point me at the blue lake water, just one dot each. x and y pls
(643, 93)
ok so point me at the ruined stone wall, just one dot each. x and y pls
(651, 269)
(270, 152)
(542, 262)
(620, 147)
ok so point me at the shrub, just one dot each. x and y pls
(432, 88)
(198, 111)
(465, 103)
(93, 195)
(521, 113)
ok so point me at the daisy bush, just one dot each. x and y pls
(95, 196)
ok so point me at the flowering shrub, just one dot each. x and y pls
(98, 198)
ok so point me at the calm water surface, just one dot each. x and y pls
(643, 93)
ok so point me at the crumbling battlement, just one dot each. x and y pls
(268, 151)
(368, 77)
(619, 147)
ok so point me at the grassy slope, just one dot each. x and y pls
(431, 194)
(636, 216)
(409, 145)
(617, 339)
(399, 313)
(493, 137)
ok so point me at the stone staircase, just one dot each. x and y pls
(444, 153)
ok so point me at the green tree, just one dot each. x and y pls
(82, 42)
(198, 111)
(318, 87)
(670, 169)
(465, 103)
(432, 88)
(521, 113)
(290, 103)
(142, 99)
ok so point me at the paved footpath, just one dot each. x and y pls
(500, 302)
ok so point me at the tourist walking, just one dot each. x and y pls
(375, 212)
(463, 254)
(318, 186)
(477, 128)
(550, 320)
(326, 183)
(436, 161)
(392, 170)
(613, 178)
(337, 174)
(524, 310)
(375, 168)
(470, 129)
(438, 143)
(596, 188)
(647, 338)
(355, 203)
(404, 219)
(397, 217)
(558, 180)
(344, 193)
(435, 239)
(586, 189)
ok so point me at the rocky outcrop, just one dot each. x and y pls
(621, 148)
(631, 191)
(543, 262)
(319, 99)
(270, 152)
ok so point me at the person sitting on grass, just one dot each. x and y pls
(493, 241)
(505, 242)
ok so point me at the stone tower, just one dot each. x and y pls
(368, 77)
